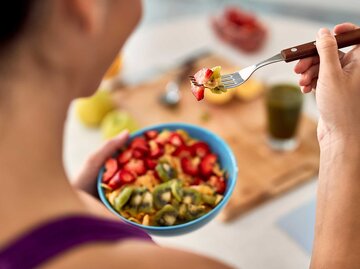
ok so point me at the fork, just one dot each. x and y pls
(288, 55)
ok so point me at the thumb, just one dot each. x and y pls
(97, 159)
(328, 51)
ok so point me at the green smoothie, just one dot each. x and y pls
(283, 104)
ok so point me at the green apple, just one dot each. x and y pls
(115, 122)
(92, 110)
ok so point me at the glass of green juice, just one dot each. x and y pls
(283, 107)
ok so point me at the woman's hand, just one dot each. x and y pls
(336, 77)
(86, 180)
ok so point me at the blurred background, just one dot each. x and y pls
(326, 11)
(271, 219)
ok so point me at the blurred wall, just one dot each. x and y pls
(328, 11)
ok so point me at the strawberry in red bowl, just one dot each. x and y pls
(170, 179)
(240, 29)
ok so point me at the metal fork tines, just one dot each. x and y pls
(237, 78)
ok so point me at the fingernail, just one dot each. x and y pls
(324, 32)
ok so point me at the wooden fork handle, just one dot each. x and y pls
(309, 49)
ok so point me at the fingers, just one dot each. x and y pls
(108, 149)
(307, 77)
(310, 87)
(306, 89)
(344, 27)
(305, 64)
(328, 53)
(85, 179)
(331, 58)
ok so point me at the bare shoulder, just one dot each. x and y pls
(131, 254)
(127, 253)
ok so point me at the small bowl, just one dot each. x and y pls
(227, 161)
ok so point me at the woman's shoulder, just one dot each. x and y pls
(127, 253)
(131, 254)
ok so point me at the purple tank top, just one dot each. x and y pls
(58, 236)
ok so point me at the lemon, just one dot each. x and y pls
(92, 110)
(249, 90)
(117, 121)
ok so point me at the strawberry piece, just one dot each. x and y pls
(150, 163)
(125, 156)
(120, 178)
(176, 140)
(201, 149)
(136, 166)
(139, 154)
(183, 151)
(203, 75)
(156, 149)
(218, 183)
(126, 176)
(239, 17)
(207, 165)
(198, 91)
(140, 143)
(152, 134)
(189, 167)
(197, 181)
(163, 137)
(115, 181)
(156, 175)
(111, 166)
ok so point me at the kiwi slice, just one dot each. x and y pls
(195, 211)
(190, 212)
(122, 198)
(209, 199)
(146, 205)
(136, 197)
(165, 171)
(167, 216)
(176, 190)
(191, 196)
(132, 206)
(162, 195)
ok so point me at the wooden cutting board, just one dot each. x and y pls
(263, 173)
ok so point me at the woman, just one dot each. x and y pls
(53, 51)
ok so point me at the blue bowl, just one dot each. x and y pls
(227, 162)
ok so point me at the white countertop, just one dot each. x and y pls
(253, 241)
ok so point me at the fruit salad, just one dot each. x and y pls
(207, 79)
(163, 179)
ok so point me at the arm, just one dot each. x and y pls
(153, 256)
(337, 239)
(336, 77)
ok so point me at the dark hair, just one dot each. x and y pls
(13, 16)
